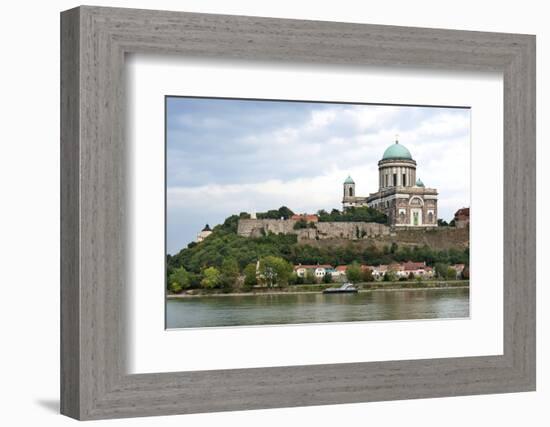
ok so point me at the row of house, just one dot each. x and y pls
(417, 269)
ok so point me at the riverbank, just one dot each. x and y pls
(318, 288)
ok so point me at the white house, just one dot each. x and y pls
(378, 272)
(319, 271)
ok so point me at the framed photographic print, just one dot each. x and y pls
(300, 212)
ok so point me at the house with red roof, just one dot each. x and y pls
(418, 269)
(378, 272)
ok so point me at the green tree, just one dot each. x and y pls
(195, 280)
(451, 274)
(353, 272)
(302, 223)
(363, 214)
(285, 212)
(175, 287)
(250, 277)
(441, 269)
(310, 277)
(293, 279)
(367, 275)
(327, 278)
(282, 212)
(211, 278)
(275, 271)
(230, 224)
(390, 276)
(179, 280)
(229, 273)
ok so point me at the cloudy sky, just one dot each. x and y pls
(229, 156)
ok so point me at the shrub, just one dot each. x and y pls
(179, 280)
(250, 278)
(327, 278)
(451, 274)
(275, 271)
(310, 277)
(367, 275)
(353, 272)
(175, 288)
(211, 278)
(300, 224)
(229, 273)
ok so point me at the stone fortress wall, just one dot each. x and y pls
(362, 233)
(321, 231)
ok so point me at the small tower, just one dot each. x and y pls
(349, 192)
(349, 188)
(203, 234)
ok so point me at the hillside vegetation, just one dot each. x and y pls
(226, 253)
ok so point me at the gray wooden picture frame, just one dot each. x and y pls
(94, 41)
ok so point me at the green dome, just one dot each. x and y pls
(419, 183)
(396, 151)
(349, 180)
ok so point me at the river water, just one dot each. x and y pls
(237, 310)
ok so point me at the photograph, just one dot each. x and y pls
(292, 212)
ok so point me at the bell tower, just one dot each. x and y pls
(349, 191)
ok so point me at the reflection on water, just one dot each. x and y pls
(237, 310)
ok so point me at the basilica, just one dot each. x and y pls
(401, 196)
